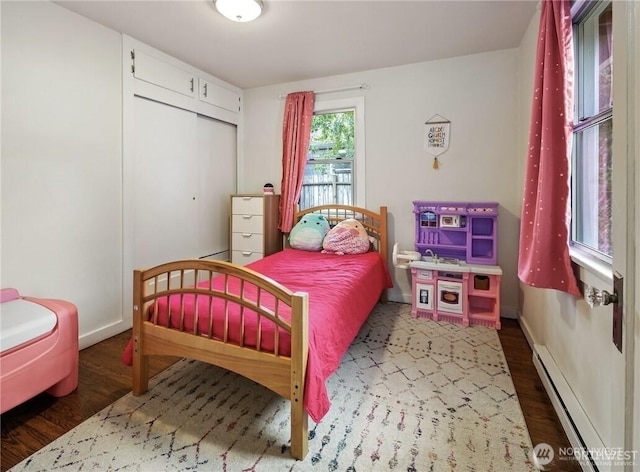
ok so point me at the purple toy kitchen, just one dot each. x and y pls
(456, 279)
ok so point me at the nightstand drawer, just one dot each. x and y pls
(247, 242)
(247, 223)
(247, 205)
(245, 257)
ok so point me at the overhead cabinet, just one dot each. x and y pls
(155, 70)
(162, 74)
(218, 96)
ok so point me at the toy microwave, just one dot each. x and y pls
(450, 221)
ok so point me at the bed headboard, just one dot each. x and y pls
(374, 223)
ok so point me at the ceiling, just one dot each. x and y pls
(303, 39)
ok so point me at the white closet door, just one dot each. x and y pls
(217, 164)
(165, 184)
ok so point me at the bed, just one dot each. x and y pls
(284, 321)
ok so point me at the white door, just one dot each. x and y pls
(595, 379)
(607, 368)
(633, 286)
(217, 180)
(165, 193)
(625, 224)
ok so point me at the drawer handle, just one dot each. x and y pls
(247, 235)
(246, 253)
(247, 217)
(247, 198)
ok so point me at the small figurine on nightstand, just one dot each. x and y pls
(268, 189)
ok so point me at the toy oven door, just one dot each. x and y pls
(450, 296)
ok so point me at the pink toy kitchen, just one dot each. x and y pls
(455, 278)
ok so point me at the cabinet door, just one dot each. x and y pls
(219, 96)
(217, 180)
(163, 74)
(165, 185)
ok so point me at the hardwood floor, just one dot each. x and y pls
(541, 418)
(104, 379)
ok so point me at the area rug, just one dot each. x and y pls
(410, 395)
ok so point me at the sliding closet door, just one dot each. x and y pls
(165, 184)
(217, 174)
(179, 161)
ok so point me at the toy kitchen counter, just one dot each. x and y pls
(446, 289)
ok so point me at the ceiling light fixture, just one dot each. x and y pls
(239, 10)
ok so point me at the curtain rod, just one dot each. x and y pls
(341, 89)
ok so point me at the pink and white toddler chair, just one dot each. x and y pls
(38, 348)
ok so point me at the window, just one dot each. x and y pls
(593, 126)
(335, 159)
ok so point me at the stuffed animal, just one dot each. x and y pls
(309, 232)
(347, 237)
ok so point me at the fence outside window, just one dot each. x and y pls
(324, 189)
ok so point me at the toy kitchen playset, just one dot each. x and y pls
(453, 268)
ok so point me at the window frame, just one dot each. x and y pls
(587, 258)
(359, 162)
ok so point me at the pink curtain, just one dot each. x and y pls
(296, 133)
(544, 259)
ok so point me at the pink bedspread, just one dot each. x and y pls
(342, 292)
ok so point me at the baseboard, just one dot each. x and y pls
(103, 333)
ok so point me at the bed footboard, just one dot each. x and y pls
(229, 316)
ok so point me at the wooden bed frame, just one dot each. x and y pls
(283, 375)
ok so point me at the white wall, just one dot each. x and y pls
(478, 93)
(61, 161)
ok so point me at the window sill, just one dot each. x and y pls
(591, 270)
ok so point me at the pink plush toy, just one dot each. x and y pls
(347, 237)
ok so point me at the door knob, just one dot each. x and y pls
(596, 297)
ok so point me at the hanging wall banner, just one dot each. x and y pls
(437, 132)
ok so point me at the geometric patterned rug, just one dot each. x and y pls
(410, 395)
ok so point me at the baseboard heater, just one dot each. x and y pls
(574, 420)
